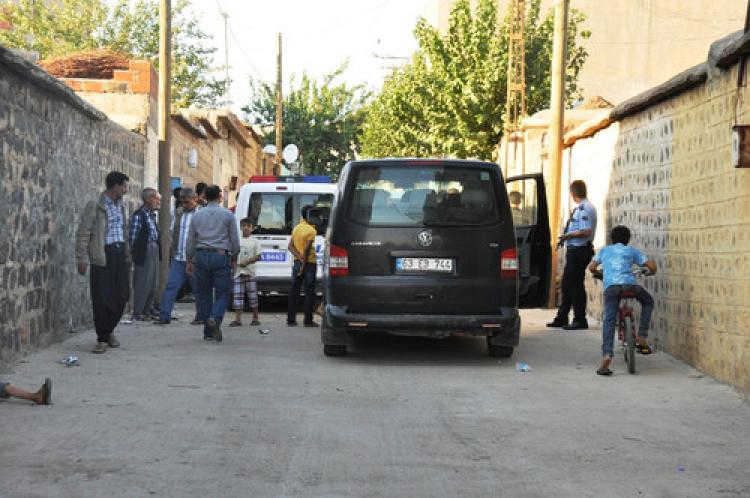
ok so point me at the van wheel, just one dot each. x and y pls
(499, 351)
(334, 349)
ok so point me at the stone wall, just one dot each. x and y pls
(55, 152)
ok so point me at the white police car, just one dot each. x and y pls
(274, 203)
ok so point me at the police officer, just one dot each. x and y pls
(578, 239)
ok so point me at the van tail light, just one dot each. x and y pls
(509, 263)
(338, 264)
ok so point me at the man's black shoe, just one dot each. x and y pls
(161, 322)
(213, 327)
(291, 324)
(577, 325)
(557, 323)
(311, 324)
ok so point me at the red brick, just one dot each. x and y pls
(140, 66)
(122, 75)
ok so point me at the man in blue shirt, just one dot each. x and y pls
(617, 261)
(577, 237)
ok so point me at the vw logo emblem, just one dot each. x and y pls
(425, 238)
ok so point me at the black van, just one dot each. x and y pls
(428, 248)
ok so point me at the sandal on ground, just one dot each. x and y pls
(643, 348)
(235, 323)
(255, 323)
(47, 392)
(604, 371)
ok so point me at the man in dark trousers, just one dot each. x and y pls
(102, 241)
(302, 247)
(212, 246)
(145, 245)
(579, 249)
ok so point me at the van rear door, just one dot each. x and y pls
(528, 205)
(424, 237)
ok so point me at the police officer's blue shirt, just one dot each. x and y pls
(617, 261)
(582, 218)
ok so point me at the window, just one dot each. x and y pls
(424, 196)
(523, 201)
(272, 213)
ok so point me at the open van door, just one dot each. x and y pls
(528, 205)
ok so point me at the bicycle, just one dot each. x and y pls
(626, 322)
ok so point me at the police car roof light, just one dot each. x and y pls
(263, 179)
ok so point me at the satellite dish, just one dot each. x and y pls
(269, 149)
(291, 153)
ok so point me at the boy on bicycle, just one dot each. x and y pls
(617, 261)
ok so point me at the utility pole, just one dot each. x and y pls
(227, 100)
(279, 109)
(165, 105)
(515, 102)
(556, 125)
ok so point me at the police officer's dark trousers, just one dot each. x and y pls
(573, 288)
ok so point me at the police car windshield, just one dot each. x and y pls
(277, 213)
(423, 196)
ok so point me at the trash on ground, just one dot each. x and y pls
(126, 322)
(70, 361)
(680, 469)
(522, 366)
(339, 389)
(264, 331)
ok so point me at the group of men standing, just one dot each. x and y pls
(203, 250)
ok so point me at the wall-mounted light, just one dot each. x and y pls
(192, 158)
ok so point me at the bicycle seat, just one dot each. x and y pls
(627, 294)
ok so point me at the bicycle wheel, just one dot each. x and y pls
(629, 343)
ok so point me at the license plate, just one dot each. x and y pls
(438, 265)
(273, 256)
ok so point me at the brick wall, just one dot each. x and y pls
(666, 173)
(56, 151)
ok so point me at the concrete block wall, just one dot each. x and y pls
(673, 184)
(53, 158)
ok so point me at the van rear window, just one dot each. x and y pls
(423, 196)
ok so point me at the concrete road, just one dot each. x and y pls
(170, 415)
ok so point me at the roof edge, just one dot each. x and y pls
(676, 85)
(44, 81)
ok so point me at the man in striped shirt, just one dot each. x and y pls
(177, 268)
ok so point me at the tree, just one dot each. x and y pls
(53, 28)
(65, 26)
(450, 100)
(133, 28)
(323, 118)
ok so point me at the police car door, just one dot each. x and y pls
(273, 211)
(528, 203)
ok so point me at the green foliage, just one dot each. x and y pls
(450, 100)
(323, 118)
(53, 28)
(133, 28)
(65, 26)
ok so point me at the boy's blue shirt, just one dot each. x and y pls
(617, 261)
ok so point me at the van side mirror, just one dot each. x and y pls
(318, 216)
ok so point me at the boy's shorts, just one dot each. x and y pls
(3, 394)
(242, 284)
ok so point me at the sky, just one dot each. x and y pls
(317, 37)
